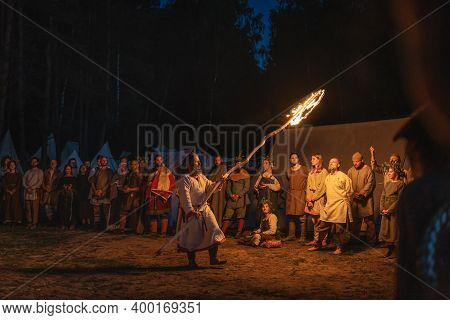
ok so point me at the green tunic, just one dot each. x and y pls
(240, 186)
(388, 201)
(363, 182)
(217, 202)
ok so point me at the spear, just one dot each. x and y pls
(299, 112)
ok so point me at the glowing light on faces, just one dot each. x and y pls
(303, 109)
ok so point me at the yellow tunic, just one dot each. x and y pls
(338, 192)
(316, 189)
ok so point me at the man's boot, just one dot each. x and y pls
(303, 229)
(394, 254)
(191, 259)
(164, 225)
(371, 238)
(241, 223)
(213, 260)
(291, 232)
(153, 227)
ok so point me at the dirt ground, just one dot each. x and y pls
(123, 267)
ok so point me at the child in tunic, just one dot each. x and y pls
(393, 188)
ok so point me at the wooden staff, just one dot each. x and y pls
(300, 112)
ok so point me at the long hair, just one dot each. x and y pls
(319, 167)
(10, 162)
(71, 170)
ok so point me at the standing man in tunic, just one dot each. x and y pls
(217, 201)
(337, 209)
(49, 186)
(203, 232)
(363, 184)
(160, 184)
(238, 200)
(131, 197)
(297, 177)
(32, 182)
(101, 192)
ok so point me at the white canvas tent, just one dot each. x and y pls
(105, 151)
(7, 149)
(51, 148)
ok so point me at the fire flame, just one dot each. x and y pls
(304, 108)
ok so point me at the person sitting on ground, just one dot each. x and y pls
(267, 229)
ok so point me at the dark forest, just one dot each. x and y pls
(199, 59)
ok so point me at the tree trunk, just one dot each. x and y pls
(48, 98)
(20, 86)
(4, 66)
(106, 116)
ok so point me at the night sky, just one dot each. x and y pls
(263, 7)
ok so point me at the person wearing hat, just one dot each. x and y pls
(238, 200)
(363, 184)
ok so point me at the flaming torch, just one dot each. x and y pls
(299, 112)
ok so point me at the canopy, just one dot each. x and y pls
(7, 149)
(51, 148)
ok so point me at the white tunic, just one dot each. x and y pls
(203, 232)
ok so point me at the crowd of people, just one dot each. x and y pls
(138, 199)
